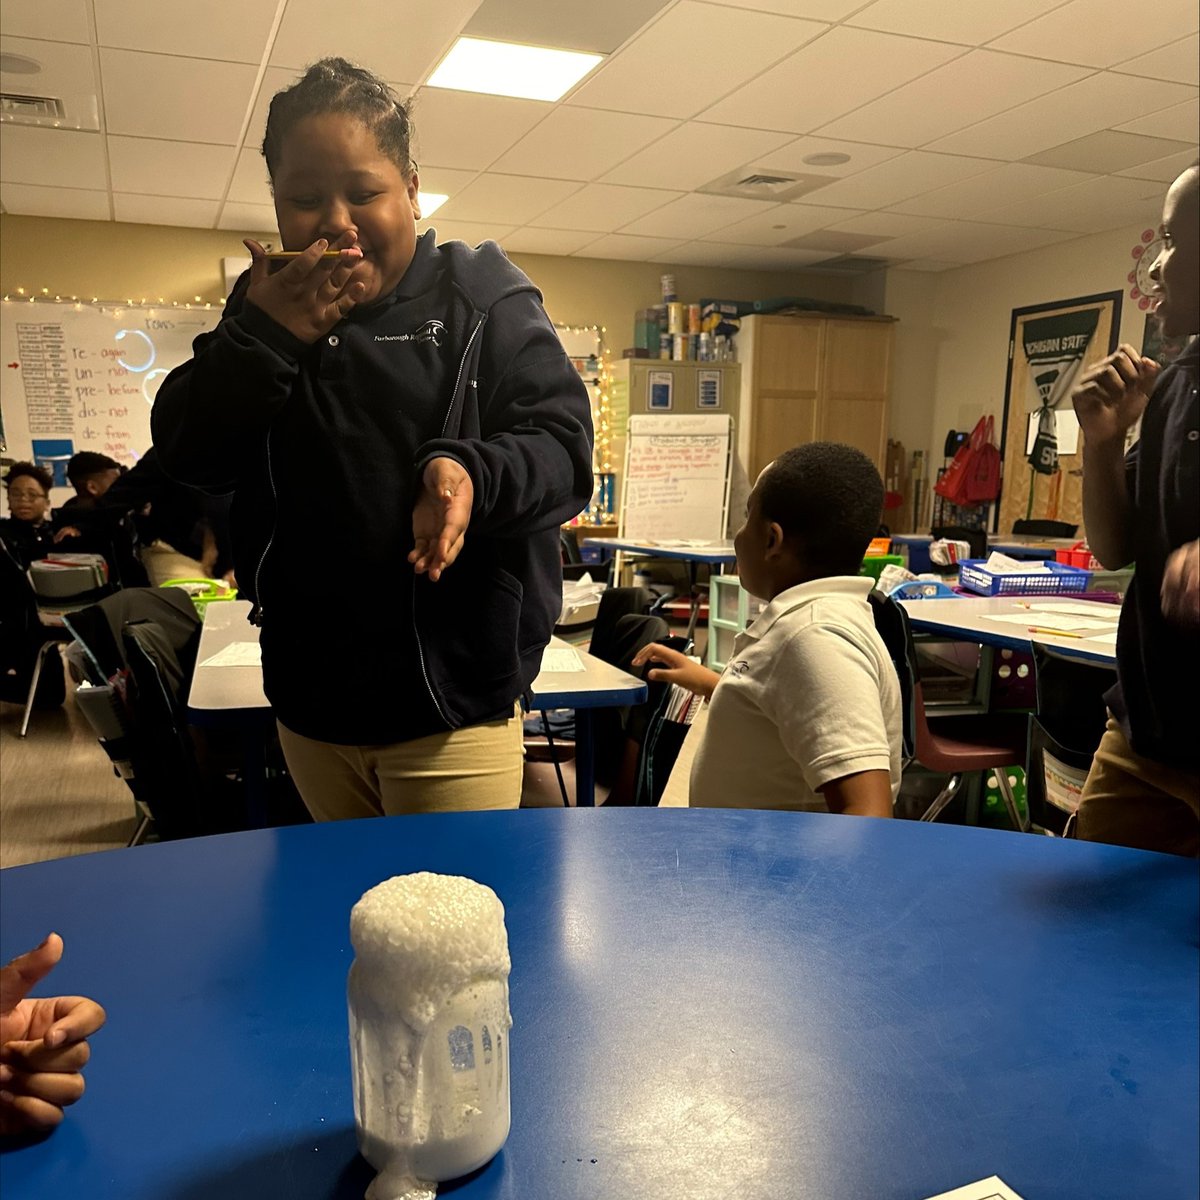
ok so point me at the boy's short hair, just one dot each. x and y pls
(87, 463)
(828, 497)
(29, 470)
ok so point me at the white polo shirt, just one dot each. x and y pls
(809, 695)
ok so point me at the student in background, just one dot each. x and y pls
(1144, 507)
(807, 712)
(91, 475)
(43, 1043)
(409, 407)
(27, 532)
(84, 525)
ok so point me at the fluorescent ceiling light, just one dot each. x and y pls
(507, 69)
(430, 202)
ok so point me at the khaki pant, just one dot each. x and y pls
(1129, 800)
(465, 770)
(163, 562)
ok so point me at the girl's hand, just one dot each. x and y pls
(679, 669)
(441, 516)
(1111, 395)
(310, 295)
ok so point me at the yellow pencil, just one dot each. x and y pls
(1054, 632)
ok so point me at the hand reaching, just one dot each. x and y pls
(43, 1043)
(1181, 586)
(441, 516)
(679, 669)
(1111, 395)
(310, 295)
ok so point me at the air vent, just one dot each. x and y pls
(35, 109)
(749, 184)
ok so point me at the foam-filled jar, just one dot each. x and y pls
(429, 1024)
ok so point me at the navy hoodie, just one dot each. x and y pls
(323, 447)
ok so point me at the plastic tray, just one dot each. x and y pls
(1057, 580)
(203, 592)
(874, 564)
(922, 589)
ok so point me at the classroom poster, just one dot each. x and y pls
(1049, 345)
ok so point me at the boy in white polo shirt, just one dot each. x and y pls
(807, 714)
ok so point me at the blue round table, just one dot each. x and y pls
(790, 1006)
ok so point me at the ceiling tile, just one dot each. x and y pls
(274, 79)
(930, 264)
(506, 199)
(1163, 170)
(468, 130)
(626, 246)
(1097, 102)
(396, 41)
(827, 78)
(981, 83)
(1099, 33)
(790, 157)
(230, 30)
(22, 199)
(250, 183)
(1008, 184)
(972, 241)
(888, 224)
(68, 74)
(949, 20)
(471, 232)
(693, 154)
(162, 210)
(54, 20)
(53, 157)
(604, 207)
(1107, 152)
(1179, 121)
(547, 241)
(158, 95)
(746, 258)
(715, 49)
(251, 218)
(581, 143)
(836, 241)
(1175, 61)
(170, 168)
(811, 10)
(775, 225)
(1087, 207)
(444, 180)
(694, 215)
(899, 178)
(596, 28)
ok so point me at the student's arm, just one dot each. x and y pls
(678, 669)
(531, 467)
(864, 794)
(1109, 399)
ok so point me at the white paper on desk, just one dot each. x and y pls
(1104, 639)
(236, 654)
(991, 1188)
(1049, 621)
(556, 658)
(1097, 609)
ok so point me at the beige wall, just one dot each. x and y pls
(122, 262)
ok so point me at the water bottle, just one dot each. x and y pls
(429, 1024)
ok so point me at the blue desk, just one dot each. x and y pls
(780, 1006)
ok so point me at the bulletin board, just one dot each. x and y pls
(1039, 370)
(83, 376)
(676, 482)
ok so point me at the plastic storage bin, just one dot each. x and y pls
(1057, 580)
(203, 592)
(874, 564)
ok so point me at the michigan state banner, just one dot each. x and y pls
(1049, 344)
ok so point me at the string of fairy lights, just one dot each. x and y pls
(22, 295)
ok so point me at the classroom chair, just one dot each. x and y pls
(1040, 528)
(953, 746)
(1068, 725)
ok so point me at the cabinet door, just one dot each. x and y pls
(857, 378)
(787, 372)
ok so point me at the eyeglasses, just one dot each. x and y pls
(14, 494)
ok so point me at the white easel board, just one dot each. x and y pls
(676, 481)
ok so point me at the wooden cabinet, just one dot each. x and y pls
(813, 378)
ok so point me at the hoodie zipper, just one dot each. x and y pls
(462, 366)
(258, 612)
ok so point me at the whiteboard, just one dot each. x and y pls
(83, 376)
(676, 484)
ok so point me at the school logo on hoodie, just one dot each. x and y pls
(431, 331)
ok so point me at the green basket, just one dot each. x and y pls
(874, 565)
(203, 592)
(993, 811)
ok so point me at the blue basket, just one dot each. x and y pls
(923, 589)
(1057, 580)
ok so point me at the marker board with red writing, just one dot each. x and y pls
(83, 376)
(675, 486)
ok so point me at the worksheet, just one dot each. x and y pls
(1101, 611)
(992, 1188)
(236, 654)
(1104, 639)
(559, 659)
(1040, 620)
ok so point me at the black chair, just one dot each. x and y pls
(661, 740)
(1039, 528)
(975, 538)
(1068, 725)
(30, 669)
